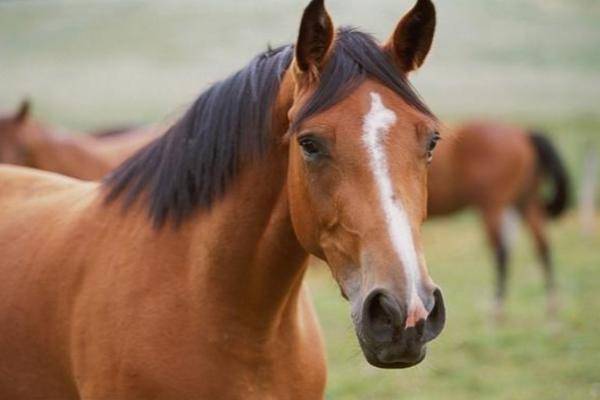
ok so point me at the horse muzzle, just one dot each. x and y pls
(390, 335)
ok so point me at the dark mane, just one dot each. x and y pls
(192, 165)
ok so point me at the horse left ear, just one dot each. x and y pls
(411, 41)
(23, 112)
(315, 38)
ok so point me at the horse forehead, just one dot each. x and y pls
(353, 109)
(345, 121)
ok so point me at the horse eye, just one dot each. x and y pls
(431, 145)
(310, 147)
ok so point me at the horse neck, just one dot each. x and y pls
(245, 252)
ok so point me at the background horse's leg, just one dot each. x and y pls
(492, 219)
(534, 217)
(587, 196)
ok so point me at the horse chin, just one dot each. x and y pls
(387, 358)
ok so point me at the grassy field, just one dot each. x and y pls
(97, 63)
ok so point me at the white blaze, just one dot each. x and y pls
(375, 129)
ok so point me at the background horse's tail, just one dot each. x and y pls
(552, 165)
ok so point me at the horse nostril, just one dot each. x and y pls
(420, 328)
(436, 319)
(382, 316)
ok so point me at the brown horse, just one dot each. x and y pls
(496, 168)
(181, 277)
(27, 142)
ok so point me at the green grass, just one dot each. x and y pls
(97, 63)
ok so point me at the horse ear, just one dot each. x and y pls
(315, 38)
(24, 110)
(413, 36)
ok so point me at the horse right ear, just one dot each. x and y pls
(412, 38)
(314, 40)
(24, 110)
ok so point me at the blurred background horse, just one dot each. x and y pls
(27, 142)
(498, 170)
